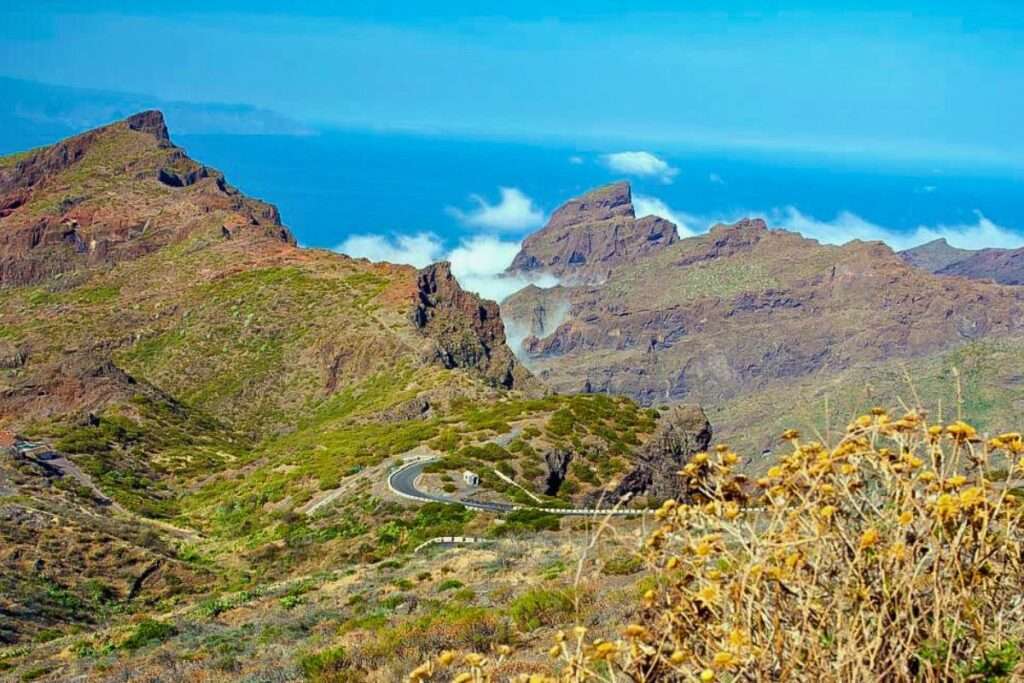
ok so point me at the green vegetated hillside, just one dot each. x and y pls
(227, 406)
(224, 410)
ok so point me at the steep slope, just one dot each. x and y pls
(592, 234)
(741, 310)
(1005, 266)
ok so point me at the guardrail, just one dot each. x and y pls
(451, 540)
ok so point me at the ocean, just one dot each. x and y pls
(337, 184)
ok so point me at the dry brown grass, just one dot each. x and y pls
(891, 555)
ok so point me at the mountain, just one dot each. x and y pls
(590, 235)
(189, 402)
(1005, 266)
(741, 318)
(935, 255)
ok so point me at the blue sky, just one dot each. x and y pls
(888, 80)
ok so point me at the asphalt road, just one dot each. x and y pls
(403, 480)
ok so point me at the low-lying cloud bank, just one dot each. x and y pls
(844, 227)
(514, 212)
(477, 262)
(848, 226)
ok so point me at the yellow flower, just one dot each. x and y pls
(972, 497)
(927, 476)
(906, 517)
(774, 472)
(606, 650)
(869, 538)
(898, 552)
(504, 650)
(947, 507)
(678, 657)
(731, 510)
(555, 651)
(827, 512)
(961, 431)
(446, 658)
(730, 458)
(707, 675)
(635, 631)
(463, 677)
(709, 594)
(723, 660)
(700, 458)
(790, 435)
(957, 480)
(473, 659)
(423, 671)
(738, 638)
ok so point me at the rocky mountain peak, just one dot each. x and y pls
(111, 194)
(151, 122)
(591, 234)
(601, 204)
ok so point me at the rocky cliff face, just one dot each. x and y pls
(111, 194)
(465, 331)
(592, 234)
(1005, 266)
(682, 432)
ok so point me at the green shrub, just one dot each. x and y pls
(541, 607)
(327, 665)
(149, 632)
(449, 584)
(622, 565)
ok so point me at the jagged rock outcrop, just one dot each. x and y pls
(557, 463)
(114, 193)
(591, 234)
(681, 433)
(465, 331)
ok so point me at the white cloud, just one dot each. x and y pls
(715, 179)
(478, 262)
(643, 164)
(515, 211)
(576, 160)
(848, 226)
(652, 206)
(417, 250)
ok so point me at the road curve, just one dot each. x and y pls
(402, 482)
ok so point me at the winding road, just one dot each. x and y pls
(402, 482)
